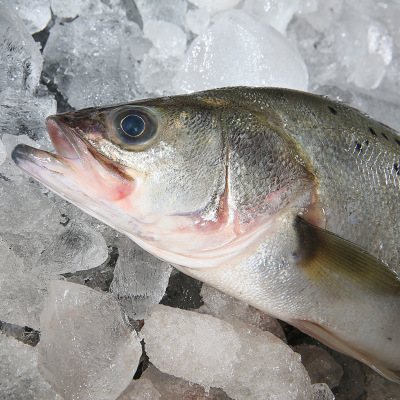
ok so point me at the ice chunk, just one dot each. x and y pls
(21, 292)
(3, 153)
(223, 306)
(320, 365)
(322, 392)
(86, 349)
(215, 6)
(379, 388)
(78, 247)
(35, 13)
(169, 39)
(154, 384)
(69, 9)
(140, 280)
(238, 50)
(92, 69)
(38, 218)
(273, 12)
(24, 114)
(141, 389)
(156, 74)
(20, 58)
(327, 12)
(19, 377)
(172, 11)
(198, 20)
(246, 363)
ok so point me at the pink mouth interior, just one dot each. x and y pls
(60, 142)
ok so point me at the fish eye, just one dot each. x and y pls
(134, 127)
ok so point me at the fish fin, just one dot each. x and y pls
(339, 266)
(330, 339)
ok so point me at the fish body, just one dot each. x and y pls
(283, 199)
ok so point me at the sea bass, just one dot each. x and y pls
(286, 200)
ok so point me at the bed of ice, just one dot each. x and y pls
(83, 289)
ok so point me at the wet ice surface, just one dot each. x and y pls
(213, 352)
(99, 52)
(86, 348)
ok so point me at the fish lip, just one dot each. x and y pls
(64, 139)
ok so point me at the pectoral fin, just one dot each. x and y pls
(340, 266)
(332, 340)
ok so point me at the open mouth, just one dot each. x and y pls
(68, 146)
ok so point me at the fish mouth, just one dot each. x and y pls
(68, 146)
(75, 164)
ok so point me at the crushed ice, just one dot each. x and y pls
(100, 52)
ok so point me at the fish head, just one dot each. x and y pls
(157, 170)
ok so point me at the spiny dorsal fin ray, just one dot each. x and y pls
(335, 263)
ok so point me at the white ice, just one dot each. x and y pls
(247, 363)
(238, 50)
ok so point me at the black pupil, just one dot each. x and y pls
(132, 125)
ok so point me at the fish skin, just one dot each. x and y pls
(284, 199)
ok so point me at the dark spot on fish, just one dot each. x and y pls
(390, 339)
(384, 136)
(358, 147)
(397, 141)
(372, 132)
(366, 142)
(332, 110)
(396, 168)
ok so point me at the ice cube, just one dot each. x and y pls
(198, 20)
(172, 11)
(167, 387)
(379, 388)
(320, 365)
(140, 280)
(21, 292)
(273, 12)
(19, 377)
(238, 50)
(77, 247)
(215, 6)
(223, 306)
(35, 13)
(86, 349)
(3, 153)
(69, 9)
(21, 113)
(89, 68)
(245, 362)
(20, 58)
(169, 39)
(322, 392)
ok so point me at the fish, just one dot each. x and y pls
(286, 200)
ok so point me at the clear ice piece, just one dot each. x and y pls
(223, 306)
(245, 362)
(35, 13)
(19, 377)
(213, 6)
(140, 280)
(321, 391)
(77, 247)
(89, 68)
(20, 58)
(86, 349)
